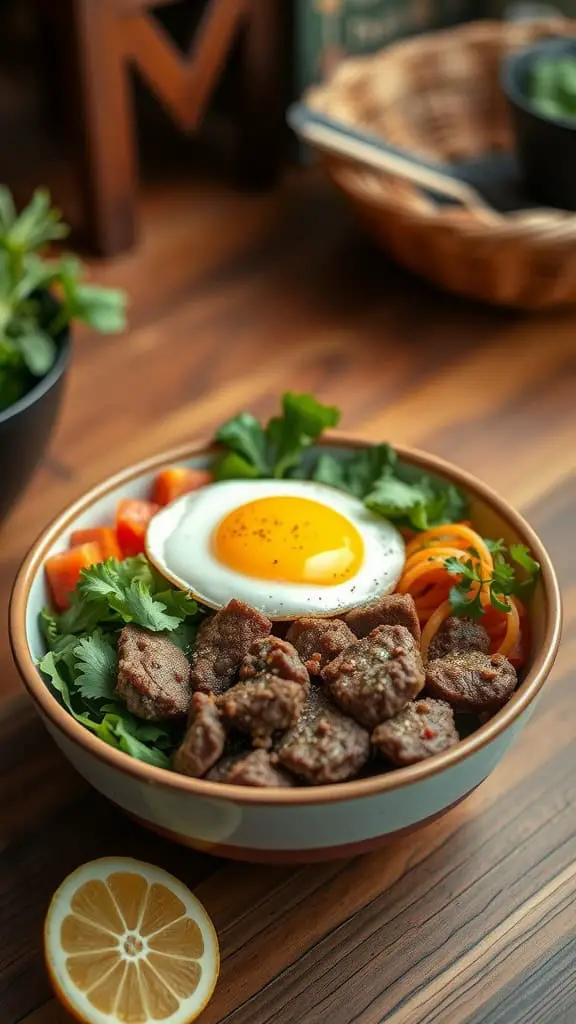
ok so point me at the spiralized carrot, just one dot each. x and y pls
(454, 535)
(425, 554)
(512, 632)
(432, 626)
(427, 580)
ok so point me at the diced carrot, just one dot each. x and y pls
(63, 571)
(104, 536)
(132, 518)
(175, 481)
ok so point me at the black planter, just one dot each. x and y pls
(26, 427)
(546, 146)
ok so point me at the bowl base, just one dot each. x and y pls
(319, 855)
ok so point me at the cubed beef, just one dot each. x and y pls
(223, 641)
(324, 746)
(255, 769)
(318, 641)
(425, 727)
(472, 682)
(390, 610)
(376, 677)
(153, 675)
(204, 741)
(458, 636)
(277, 657)
(262, 706)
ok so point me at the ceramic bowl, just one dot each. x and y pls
(282, 825)
(546, 146)
(26, 428)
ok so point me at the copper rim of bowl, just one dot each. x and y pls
(342, 791)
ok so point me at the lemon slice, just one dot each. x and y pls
(127, 942)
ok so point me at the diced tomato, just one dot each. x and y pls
(63, 571)
(175, 481)
(104, 536)
(132, 518)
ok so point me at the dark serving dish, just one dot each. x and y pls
(546, 144)
(26, 427)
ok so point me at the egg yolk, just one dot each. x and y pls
(296, 540)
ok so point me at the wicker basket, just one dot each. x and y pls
(440, 95)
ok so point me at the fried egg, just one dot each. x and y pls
(287, 547)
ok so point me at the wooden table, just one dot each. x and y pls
(234, 299)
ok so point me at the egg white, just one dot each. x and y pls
(179, 544)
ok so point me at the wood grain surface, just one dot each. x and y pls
(233, 299)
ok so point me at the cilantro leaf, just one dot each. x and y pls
(116, 730)
(358, 474)
(96, 661)
(303, 419)
(244, 436)
(253, 451)
(463, 605)
(393, 498)
(422, 503)
(178, 603)
(49, 626)
(233, 466)
(51, 666)
(126, 588)
(495, 547)
(331, 471)
(520, 554)
(502, 582)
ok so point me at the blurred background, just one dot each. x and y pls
(57, 100)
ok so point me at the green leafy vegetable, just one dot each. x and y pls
(387, 487)
(552, 86)
(81, 663)
(122, 731)
(503, 582)
(374, 474)
(112, 593)
(253, 451)
(39, 297)
(96, 660)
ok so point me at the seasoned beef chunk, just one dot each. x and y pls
(253, 769)
(390, 610)
(318, 641)
(473, 682)
(223, 641)
(324, 746)
(153, 675)
(262, 706)
(204, 741)
(457, 636)
(275, 656)
(425, 727)
(376, 677)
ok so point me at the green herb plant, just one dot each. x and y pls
(552, 87)
(41, 296)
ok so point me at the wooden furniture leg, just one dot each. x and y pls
(266, 70)
(104, 126)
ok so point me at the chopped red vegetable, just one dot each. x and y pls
(104, 536)
(175, 481)
(63, 571)
(132, 518)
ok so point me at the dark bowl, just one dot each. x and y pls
(26, 426)
(546, 146)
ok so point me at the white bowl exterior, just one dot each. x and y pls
(265, 828)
